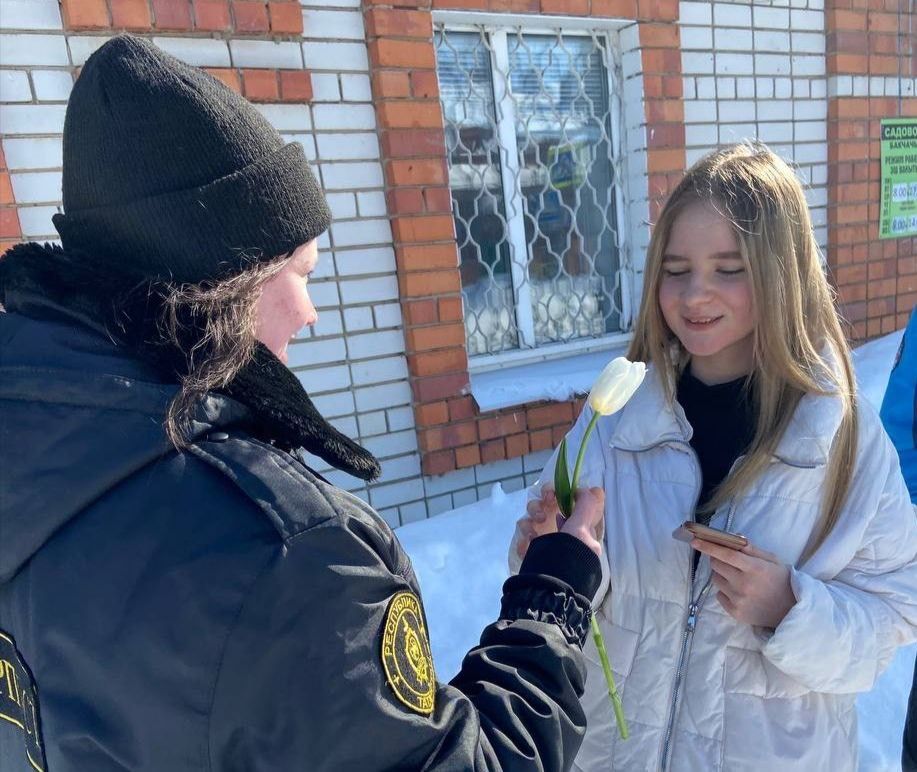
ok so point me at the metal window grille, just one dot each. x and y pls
(535, 184)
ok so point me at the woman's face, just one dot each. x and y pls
(285, 307)
(705, 294)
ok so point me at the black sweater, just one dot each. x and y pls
(723, 421)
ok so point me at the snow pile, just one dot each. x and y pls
(460, 560)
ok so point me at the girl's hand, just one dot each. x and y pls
(541, 516)
(587, 518)
(754, 586)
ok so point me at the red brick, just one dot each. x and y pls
(420, 312)
(436, 227)
(212, 15)
(619, 9)
(85, 14)
(424, 283)
(550, 415)
(665, 160)
(411, 54)
(666, 135)
(286, 18)
(426, 257)
(424, 84)
(131, 14)
(557, 434)
(431, 414)
(448, 360)
(437, 200)
(517, 445)
(9, 223)
(435, 336)
(465, 5)
(838, 19)
(391, 84)
(469, 455)
(462, 408)
(448, 436)
(2, 158)
(250, 17)
(295, 86)
(541, 440)
(172, 14)
(657, 10)
(404, 200)
(451, 309)
(6, 189)
(405, 143)
(515, 6)
(659, 36)
(436, 387)
(495, 450)
(409, 114)
(664, 111)
(260, 85)
(418, 171)
(438, 463)
(228, 77)
(665, 61)
(384, 22)
(501, 426)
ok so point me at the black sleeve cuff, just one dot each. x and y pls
(564, 557)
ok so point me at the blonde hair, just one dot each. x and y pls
(759, 194)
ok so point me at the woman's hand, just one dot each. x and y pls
(543, 516)
(754, 586)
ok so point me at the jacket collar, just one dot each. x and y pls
(36, 280)
(649, 419)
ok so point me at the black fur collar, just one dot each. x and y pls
(127, 307)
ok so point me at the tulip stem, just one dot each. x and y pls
(609, 679)
(582, 452)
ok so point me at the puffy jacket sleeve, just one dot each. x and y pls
(843, 631)
(303, 685)
(592, 474)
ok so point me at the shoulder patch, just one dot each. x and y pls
(19, 702)
(406, 654)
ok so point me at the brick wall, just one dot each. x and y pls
(453, 434)
(758, 70)
(872, 66)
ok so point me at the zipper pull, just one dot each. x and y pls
(692, 618)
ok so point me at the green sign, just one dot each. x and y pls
(898, 215)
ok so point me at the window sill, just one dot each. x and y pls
(557, 380)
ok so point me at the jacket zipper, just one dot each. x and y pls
(694, 609)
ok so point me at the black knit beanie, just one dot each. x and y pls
(171, 175)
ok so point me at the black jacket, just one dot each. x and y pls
(226, 608)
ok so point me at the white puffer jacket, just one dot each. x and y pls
(702, 691)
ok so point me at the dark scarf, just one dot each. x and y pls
(128, 307)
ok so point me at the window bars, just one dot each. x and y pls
(534, 177)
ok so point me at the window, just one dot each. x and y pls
(531, 135)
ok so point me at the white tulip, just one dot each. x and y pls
(615, 385)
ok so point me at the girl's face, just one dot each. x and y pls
(705, 294)
(285, 307)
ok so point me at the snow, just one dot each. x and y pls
(551, 380)
(460, 561)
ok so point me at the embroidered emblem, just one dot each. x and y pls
(406, 654)
(19, 702)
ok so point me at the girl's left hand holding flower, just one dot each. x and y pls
(754, 586)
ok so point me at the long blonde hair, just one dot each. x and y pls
(759, 194)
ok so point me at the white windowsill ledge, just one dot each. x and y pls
(557, 380)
